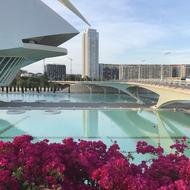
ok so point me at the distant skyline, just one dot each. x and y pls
(131, 32)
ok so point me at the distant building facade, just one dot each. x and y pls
(142, 71)
(23, 73)
(91, 54)
(187, 71)
(109, 71)
(55, 72)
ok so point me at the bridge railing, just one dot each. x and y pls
(170, 83)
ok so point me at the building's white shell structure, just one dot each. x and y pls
(29, 31)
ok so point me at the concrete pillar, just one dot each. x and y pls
(137, 92)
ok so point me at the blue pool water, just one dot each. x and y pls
(124, 126)
(64, 97)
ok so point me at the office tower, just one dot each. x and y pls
(55, 72)
(91, 54)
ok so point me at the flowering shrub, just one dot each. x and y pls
(87, 165)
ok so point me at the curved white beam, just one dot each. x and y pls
(71, 7)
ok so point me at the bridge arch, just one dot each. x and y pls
(167, 95)
(121, 87)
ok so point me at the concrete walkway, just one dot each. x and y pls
(34, 105)
(101, 105)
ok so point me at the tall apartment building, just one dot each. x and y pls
(55, 72)
(91, 54)
(143, 71)
(152, 71)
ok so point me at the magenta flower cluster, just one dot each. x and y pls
(86, 165)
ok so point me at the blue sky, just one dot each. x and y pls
(130, 31)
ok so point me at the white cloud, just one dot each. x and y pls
(117, 38)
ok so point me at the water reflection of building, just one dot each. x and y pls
(157, 128)
(90, 123)
(142, 71)
(8, 130)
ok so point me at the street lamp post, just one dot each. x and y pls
(139, 72)
(161, 72)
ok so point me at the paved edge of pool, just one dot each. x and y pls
(100, 105)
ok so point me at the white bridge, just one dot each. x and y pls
(168, 91)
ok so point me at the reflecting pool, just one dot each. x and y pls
(124, 126)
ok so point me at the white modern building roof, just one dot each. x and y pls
(30, 31)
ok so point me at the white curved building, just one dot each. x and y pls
(30, 31)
